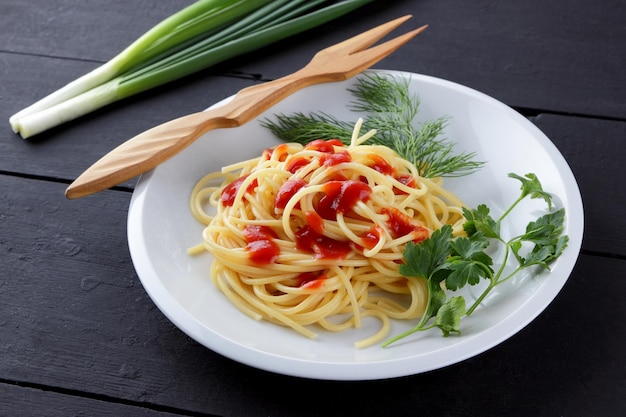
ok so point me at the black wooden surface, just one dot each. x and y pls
(79, 335)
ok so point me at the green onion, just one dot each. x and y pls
(197, 37)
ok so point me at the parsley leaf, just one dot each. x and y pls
(465, 272)
(449, 315)
(463, 260)
(541, 254)
(441, 258)
(472, 248)
(546, 228)
(480, 221)
(468, 262)
(532, 187)
(426, 257)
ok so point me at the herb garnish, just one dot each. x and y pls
(445, 262)
(388, 107)
(455, 262)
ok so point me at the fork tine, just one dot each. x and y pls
(378, 52)
(370, 37)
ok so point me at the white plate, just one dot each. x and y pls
(161, 228)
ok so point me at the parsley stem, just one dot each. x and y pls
(510, 209)
(419, 327)
(482, 296)
(494, 280)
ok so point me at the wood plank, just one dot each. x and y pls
(593, 161)
(47, 155)
(85, 30)
(65, 152)
(532, 54)
(75, 317)
(34, 402)
(595, 151)
(73, 314)
(541, 55)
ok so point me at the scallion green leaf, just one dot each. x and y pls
(197, 37)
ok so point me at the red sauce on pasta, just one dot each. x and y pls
(315, 221)
(280, 152)
(321, 145)
(401, 225)
(341, 196)
(407, 179)
(230, 191)
(337, 158)
(286, 191)
(371, 237)
(311, 280)
(294, 164)
(324, 247)
(380, 164)
(261, 247)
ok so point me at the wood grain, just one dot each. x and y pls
(75, 317)
(150, 148)
(594, 150)
(14, 400)
(78, 333)
(46, 154)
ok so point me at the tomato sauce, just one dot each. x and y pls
(315, 221)
(261, 247)
(407, 179)
(338, 195)
(294, 164)
(311, 280)
(401, 225)
(371, 237)
(281, 152)
(230, 191)
(286, 191)
(380, 164)
(323, 247)
(325, 146)
(337, 158)
(341, 196)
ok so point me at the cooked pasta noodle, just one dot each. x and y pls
(313, 235)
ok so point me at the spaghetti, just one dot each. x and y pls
(314, 234)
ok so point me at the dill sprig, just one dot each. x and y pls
(386, 105)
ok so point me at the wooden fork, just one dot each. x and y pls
(150, 148)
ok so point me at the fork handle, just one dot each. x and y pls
(152, 147)
(147, 150)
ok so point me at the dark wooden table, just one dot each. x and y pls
(80, 336)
